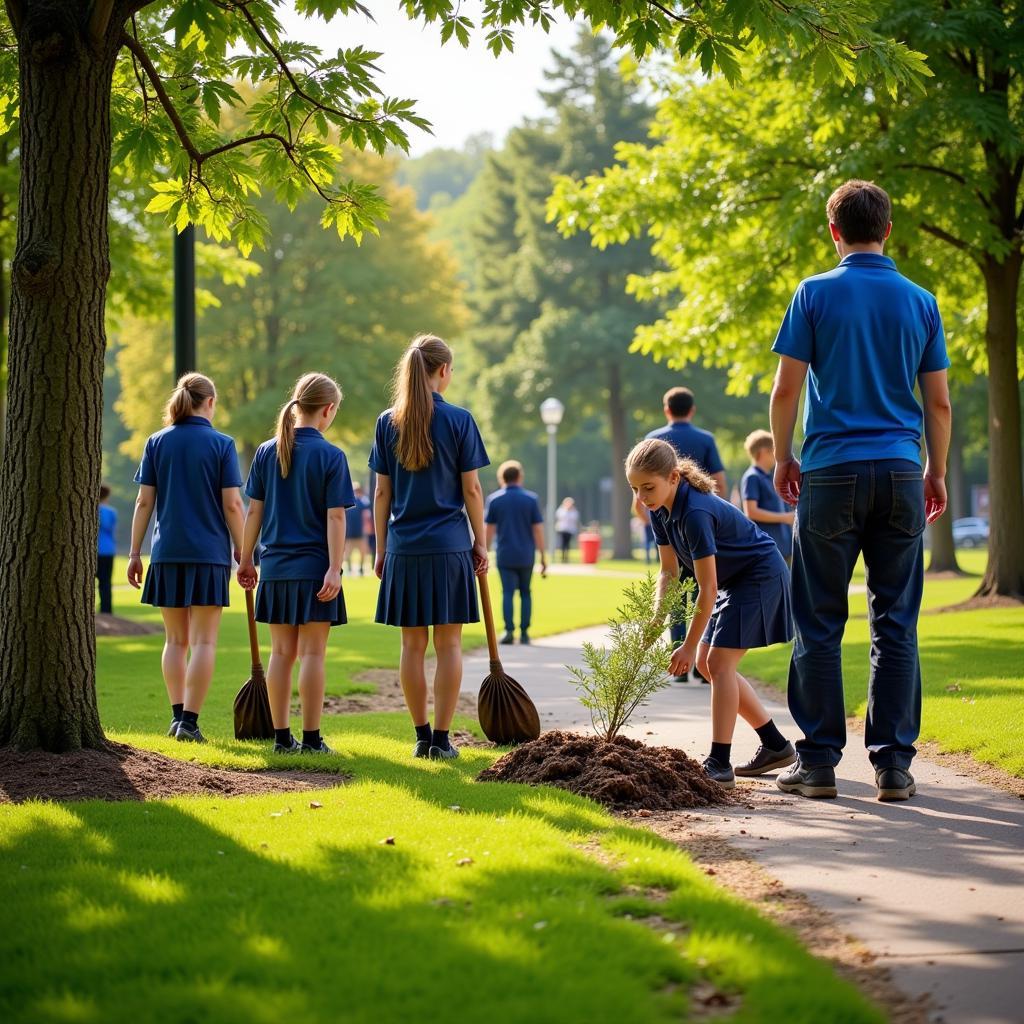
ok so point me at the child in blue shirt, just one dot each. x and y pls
(189, 475)
(761, 502)
(299, 488)
(742, 600)
(106, 549)
(426, 454)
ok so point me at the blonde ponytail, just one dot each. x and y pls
(659, 458)
(190, 392)
(412, 401)
(312, 392)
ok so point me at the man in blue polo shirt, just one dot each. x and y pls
(862, 335)
(513, 515)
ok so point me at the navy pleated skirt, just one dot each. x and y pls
(427, 590)
(184, 584)
(752, 615)
(294, 603)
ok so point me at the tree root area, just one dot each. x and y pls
(121, 772)
(624, 774)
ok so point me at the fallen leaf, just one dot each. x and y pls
(390, 841)
(463, 862)
(315, 805)
(455, 807)
(538, 925)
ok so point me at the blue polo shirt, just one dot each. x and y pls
(701, 524)
(189, 464)
(107, 542)
(354, 517)
(293, 539)
(867, 332)
(514, 511)
(693, 443)
(758, 486)
(427, 509)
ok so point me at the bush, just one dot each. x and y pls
(623, 676)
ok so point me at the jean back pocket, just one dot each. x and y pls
(830, 501)
(907, 511)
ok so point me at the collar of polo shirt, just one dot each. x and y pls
(679, 505)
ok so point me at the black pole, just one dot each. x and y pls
(184, 301)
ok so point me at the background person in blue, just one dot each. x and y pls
(189, 476)
(426, 454)
(355, 533)
(299, 488)
(106, 549)
(742, 601)
(513, 516)
(864, 334)
(761, 502)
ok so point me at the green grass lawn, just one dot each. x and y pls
(494, 903)
(971, 667)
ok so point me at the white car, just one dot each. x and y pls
(971, 532)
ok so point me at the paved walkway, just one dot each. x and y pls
(934, 886)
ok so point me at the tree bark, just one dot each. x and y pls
(622, 544)
(943, 553)
(955, 474)
(49, 485)
(1004, 573)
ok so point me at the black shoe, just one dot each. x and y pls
(812, 780)
(524, 638)
(173, 730)
(444, 753)
(321, 748)
(508, 638)
(894, 784)
(422, 749)
(188, 732)
(288, 748)
(678, 679)
(766, 760)
(720, 773)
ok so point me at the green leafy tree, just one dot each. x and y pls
(731, 193)
(101, 82)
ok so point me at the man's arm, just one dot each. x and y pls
(785, 401)
(754, 512)
(492, 532)
(938, 419)
(538, 543)
(719, 479)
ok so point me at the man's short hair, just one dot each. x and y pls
(104, 492)
(757, 441)
(860, 210)
(679, 401)
(509, 472)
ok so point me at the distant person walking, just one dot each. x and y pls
(567, 526)
(761, 502)
(355, 532)
(866, 335)
(106, 549)
(513, 517)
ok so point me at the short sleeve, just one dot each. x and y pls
(146, 473)
(472, 454)
(256, 485)
(339, 491)
(379, 452)
(796, 335)
(535, 513)
(751, 490)
(230, 474)
(714, 461)
(491, 512)
(699, 531)
(659, 531)
(934, 357)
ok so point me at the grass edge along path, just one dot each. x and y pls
(498, 902)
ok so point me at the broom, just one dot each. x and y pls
(252, 705)
(506, 713)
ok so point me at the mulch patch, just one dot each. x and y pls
(624, 774)
(114, 625)
(974, 604)
(126, 773)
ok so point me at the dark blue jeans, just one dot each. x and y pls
(876, 508)
(513, 579)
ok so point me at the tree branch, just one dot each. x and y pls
(99, 20)
(15, 12)
(933, 169)
(945, 236)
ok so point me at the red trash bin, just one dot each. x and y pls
(590, 547)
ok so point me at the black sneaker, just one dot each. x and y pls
(173, 730)
(444, 753)
(811, 780)
(508, 638)
(894, 784)
(678, 679)
(524, 638)
(422, 749)
(309, 748)
(766, 760)
(292, 747)
(188, 732)
(720, 773)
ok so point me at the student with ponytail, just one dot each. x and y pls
(426, 454)
(299, 487)
(189, 476)
(742, 600)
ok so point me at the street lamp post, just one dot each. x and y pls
(551, 410)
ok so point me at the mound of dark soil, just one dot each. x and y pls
(125, 773)
(624, 775)
(114, 625)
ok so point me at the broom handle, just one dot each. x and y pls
(492, 638)
(254, 641)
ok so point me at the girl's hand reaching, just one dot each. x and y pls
(247, 576)
(135, 570)
(481, 561)
(332, 586)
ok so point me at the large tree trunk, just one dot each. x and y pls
(956, 490)
(622, 544)
(51, 465)
(943, 554)
(1004, 573)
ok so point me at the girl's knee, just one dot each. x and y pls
(703, 663)
(413, 642)
(718, 663)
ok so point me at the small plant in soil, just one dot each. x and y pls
(625, 674)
